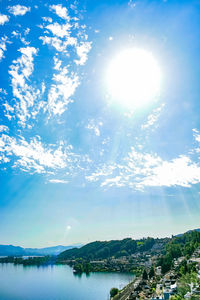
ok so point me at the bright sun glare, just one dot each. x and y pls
(134, 78)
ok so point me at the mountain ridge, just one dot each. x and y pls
(180, 234)
(11, 250)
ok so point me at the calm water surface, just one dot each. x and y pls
(56, 283)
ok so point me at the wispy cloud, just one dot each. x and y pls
(82, 50)
(3, 41)
(58, 181)
(60, 93)
(25, 94)
(18, 10)
(67, 35)
(139, 170)
(104, 170)
(153, 117)
(132, 3)
(196, 134)
(4, 128)
(95, 126)
(36, 157)
(33, 101)
(22, 35)
(47, 19)
(67, 38)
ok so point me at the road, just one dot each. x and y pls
(124, 294)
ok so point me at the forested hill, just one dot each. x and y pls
(117, 248)
(175, 246)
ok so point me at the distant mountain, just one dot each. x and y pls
(49, 250)
(180, 234)
(10, 250)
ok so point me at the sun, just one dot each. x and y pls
(133, 78)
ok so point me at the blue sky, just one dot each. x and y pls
(76, 165)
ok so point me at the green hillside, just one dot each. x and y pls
(116, 248)
(170, 247)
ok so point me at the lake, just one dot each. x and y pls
(56, 282)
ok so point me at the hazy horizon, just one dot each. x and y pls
(82, 243)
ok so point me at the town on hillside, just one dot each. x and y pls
(177, 281)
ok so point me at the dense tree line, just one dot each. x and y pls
(183, 245)
(30, 261)
(175, 247)
(106, 249)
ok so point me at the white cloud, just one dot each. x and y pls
(67, 35)
(57, 63)
(54, 42)
(102, 171)
(18, 10)
(47, 19)
(4, 128)
(58, 181)
(59, 44)
(3, 42)
(60, 93)
(36, 157)
(178, 172)
(82, 51)
(25, 94)
(132, 3)
(196, 134)
(59, 30)
(31, 100)
(115, 181)
(3, 19)
(92, 125)
(18, 34)
(9, 110)
(139, 170)
(152, 118)
(61, 11)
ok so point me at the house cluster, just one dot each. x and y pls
(195, 257)
(166, 287)
(162, 286)
(195, 291)
(142, 289)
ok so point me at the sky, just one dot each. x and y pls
(77, 164)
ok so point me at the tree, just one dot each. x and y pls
(174, 250)
(113, 292)
(176, 297)
(151, 272)
(145, 275)
(185, 283)
(166, 263)
(87, 267)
